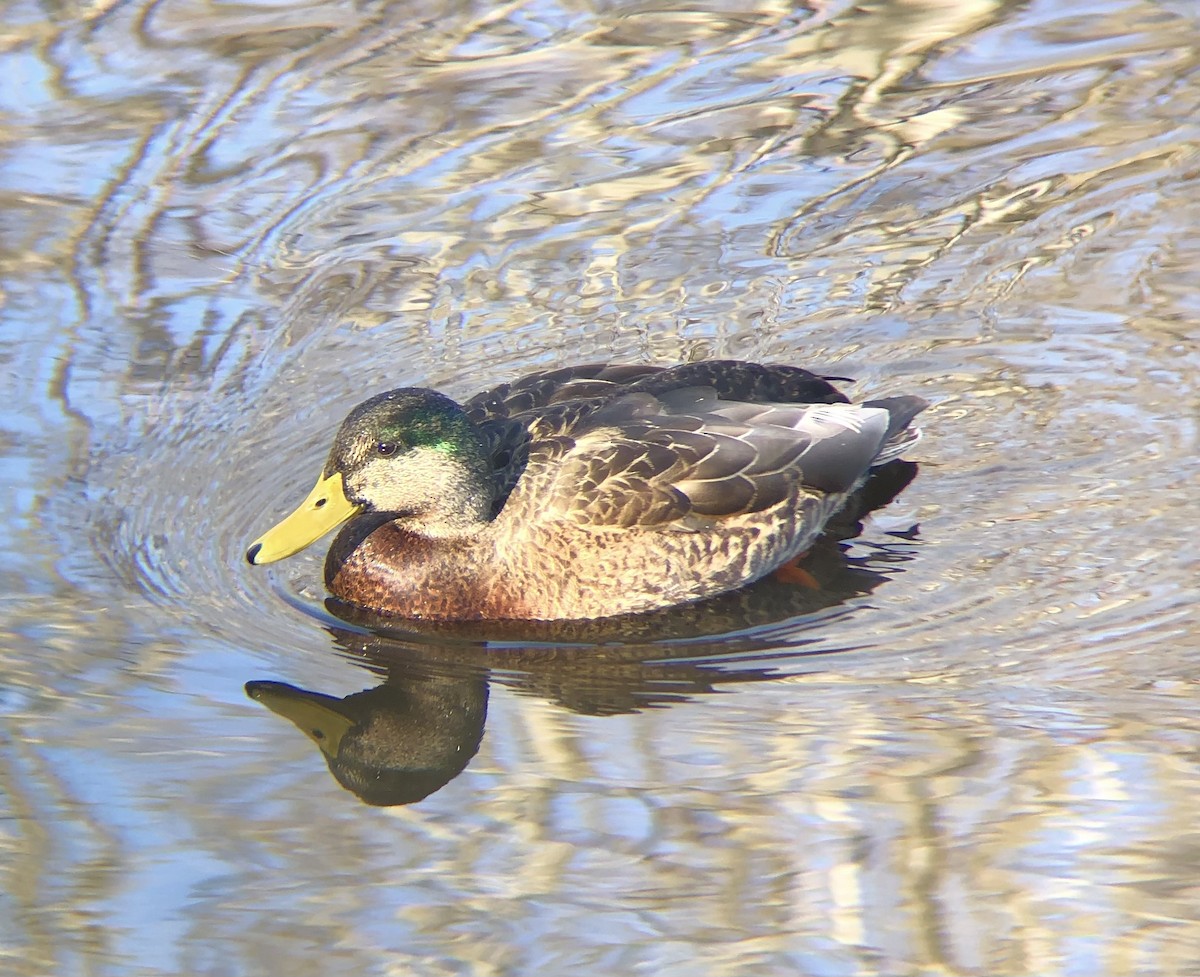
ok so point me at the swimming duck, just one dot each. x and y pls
(588, 491)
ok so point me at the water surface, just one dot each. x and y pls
(972, 752)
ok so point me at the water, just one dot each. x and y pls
(972, 752)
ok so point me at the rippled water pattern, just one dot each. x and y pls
(973, 752)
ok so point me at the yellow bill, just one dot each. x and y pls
(325, 508)
(322, 718)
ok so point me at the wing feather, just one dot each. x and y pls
(606, 446)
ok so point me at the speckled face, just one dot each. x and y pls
(412, 452)
(379, 437)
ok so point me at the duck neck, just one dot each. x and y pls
(459, 516)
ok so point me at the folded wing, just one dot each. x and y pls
(684, 458)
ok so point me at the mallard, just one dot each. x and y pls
(393, 744)
(588, 491)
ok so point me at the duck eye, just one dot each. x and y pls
(386, 448)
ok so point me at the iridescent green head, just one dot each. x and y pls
(382, 436)
(409, 452)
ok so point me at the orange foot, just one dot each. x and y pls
(792, 572)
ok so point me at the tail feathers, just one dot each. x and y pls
(900, 437)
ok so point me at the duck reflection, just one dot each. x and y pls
(399, 742)
(394, 744)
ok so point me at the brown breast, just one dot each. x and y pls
(376, 564)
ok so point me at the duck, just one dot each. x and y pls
(588, 491)
(396, 743)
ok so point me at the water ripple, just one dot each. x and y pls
(224, 225)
